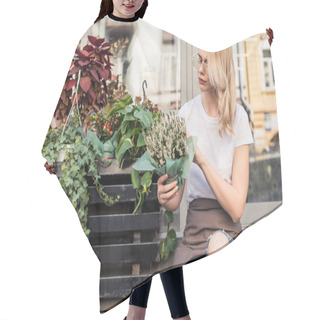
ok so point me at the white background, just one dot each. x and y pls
(48, 269)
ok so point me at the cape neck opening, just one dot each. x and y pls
(113, 17)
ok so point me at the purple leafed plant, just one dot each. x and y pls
(91, 67)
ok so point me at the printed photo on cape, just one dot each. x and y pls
(125, 78)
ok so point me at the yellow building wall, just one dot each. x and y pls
(260, 100)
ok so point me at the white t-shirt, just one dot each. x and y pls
(219, 151)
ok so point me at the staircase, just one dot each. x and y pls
(125, 244)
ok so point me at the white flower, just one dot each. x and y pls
(166, 138)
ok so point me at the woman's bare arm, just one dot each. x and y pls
(232, 197)
(168, 195)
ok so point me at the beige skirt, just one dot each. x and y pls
(204, 217)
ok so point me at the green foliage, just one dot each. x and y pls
(142, 186)
(79, 161)
(169, 216)
(134, 119)
(52, 146)
(135, 179)
(169, 244)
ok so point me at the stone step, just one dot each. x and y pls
(126, 193)
(128, 253)
(124, 222)
(117, 287)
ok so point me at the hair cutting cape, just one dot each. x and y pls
(124, 74)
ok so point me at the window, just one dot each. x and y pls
(268, 83)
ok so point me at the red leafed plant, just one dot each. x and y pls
(89, 72)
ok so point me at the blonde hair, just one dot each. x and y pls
(222, 77)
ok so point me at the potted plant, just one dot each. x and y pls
(168, 151)
(133, 119)
(81, 158)
(87, 80)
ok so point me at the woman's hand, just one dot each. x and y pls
(49, 168)
(166, 192)
(198, 156)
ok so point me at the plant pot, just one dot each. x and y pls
(104, 163)
(127, 162)
(62, 153)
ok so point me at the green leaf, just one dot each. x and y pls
(123, 138)
(135, 131)
(171, 234)
(124, 126)
(126, 145)
(164, 251)
(117, 108)
(146, 179)
(169, 216)
(171, 244)
(127, 99)
(129, 108)
(191, 143)
(135, 179)
(145, 163)
(141, 199)
(110, 146)
(144, 118)
(140, 107)
(120, 105)
(140, 141)
(128, 117)
(171, 239)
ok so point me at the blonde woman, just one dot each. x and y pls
(217, 184)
